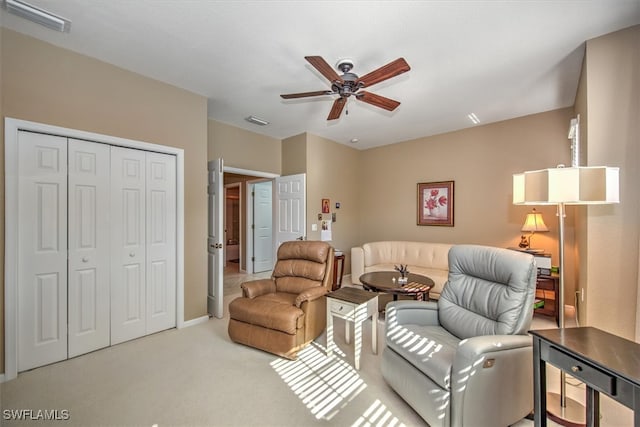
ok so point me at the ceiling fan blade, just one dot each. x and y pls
(305, 94)
(377, 100)
(336, 110)
(385, 72)
(325, 69)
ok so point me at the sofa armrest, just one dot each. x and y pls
(423, 313)
(255, 288)
(357, 264)
(310, 295)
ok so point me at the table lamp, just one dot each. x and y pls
(532, 223)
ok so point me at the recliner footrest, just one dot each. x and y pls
(268, 314)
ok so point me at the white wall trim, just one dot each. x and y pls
(259, 174)
(11, 129)
(194, 322)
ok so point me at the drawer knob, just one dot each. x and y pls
(576, 369)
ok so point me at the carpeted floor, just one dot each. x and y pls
(197, 377)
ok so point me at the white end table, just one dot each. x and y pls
(353, 305)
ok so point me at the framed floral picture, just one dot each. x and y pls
(435, 203)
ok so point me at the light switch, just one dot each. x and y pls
(314, 227)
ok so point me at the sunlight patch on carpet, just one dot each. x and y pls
(324, 384)
(377, 415)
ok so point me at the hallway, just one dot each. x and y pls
(233, 278)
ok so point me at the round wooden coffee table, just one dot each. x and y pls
(382, 281)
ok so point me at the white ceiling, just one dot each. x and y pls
(497, 59)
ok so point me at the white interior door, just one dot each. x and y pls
(215, 189)
(42, 259)
(290, 209)
(89, 307)
(263, 226)
(128, 251)
(161, 241)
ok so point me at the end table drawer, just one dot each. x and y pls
(583, 371)
(341, 308)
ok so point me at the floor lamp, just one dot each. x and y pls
(562, 186)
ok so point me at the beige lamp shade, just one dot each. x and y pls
(578, 185)
(534, 222)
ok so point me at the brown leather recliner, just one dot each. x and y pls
(287, 311)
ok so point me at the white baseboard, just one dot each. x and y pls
(1, 378)
(195, 321)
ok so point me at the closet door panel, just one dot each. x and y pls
(161, 242)
(42, 258)
(128, 248)
(89, 247)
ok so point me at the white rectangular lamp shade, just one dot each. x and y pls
(572, 185)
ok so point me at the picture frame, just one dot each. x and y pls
(325, 206)
(435, 203)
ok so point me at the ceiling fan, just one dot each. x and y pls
(350, 84)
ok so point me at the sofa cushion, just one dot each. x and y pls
(430, 349)
(271, 311)
(432, 255)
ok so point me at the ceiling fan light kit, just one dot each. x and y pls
(350, 84)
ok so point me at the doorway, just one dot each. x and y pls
(239, 181)
(232, 232)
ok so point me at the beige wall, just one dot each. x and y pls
(333, 172)
(610, 270)
(243, 149)
(47, 84)
(294, 155)
(481, 161)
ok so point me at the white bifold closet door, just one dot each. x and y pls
(42, 257)
(143, 243)
(89, 305)
(97, 246)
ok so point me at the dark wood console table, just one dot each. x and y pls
(604, 362)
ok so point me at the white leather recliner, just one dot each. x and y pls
(466, 360)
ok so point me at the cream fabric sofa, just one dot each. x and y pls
(428, 259)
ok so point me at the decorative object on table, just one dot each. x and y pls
(532, 223)
(402, 269)
(435, 203)
(575, 185)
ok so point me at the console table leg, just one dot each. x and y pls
(539, 387)
(593, 407)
